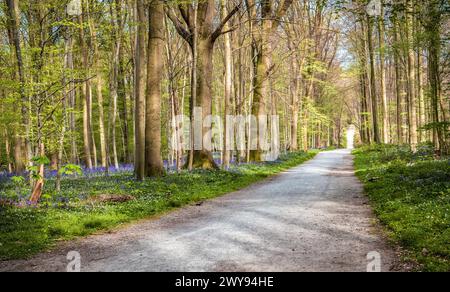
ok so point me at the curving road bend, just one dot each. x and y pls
(311, 218)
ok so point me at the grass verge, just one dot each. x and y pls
(410, 193)
(73, 213)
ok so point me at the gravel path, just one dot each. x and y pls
(311, 218)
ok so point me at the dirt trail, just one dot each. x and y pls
(311, 218)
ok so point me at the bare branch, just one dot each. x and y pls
(184, 11)
(182, 31)
(218, 32)
(282, 9)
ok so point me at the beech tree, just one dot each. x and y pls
(198, 29)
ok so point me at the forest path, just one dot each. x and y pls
(311, 218)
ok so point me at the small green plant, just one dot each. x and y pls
(34, 169)
(71, 169)
(20, 187)
(18, 180)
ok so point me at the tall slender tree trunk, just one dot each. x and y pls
(228, 91)
(420, 89)
(294, 93)
(116, 22)
(94, 145)
(64, 121)
(99, 86)
(72, 102)
(124, 97)
(373, 89)
(411, 77)
(364, 111)
(240, 85)
(398, 85)
(434, 52)
(61, 145)
(140, 86)
(8, 152)
(384, 97)
(86, 92)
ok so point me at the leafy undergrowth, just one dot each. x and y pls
(410, 193)
(72, 213)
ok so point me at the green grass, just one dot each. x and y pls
(70, 214)
(411, 196)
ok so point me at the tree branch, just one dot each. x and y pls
(219, 29)
(185, 14)
(186, 35)
(282, 9)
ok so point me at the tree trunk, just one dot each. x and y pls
(434, 52)
(269, 23)
(100, 101)
(420, 89)
(8, 151)
(411, 77)
(39, 184)
(22, 141)
(203, 158)
(228, 91)
(376, 131)
(201, 34)
(139, 160)
(124, 97)
(86, 91)
(64, 123)
(116, 22)
(381, 37)
(72, 102)
(154, 163)
(398, 85)
(261, 89)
